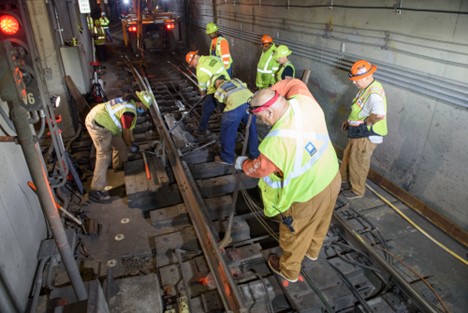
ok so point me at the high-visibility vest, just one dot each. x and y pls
(110, 112)
(282, 68)
(299, 145)
(233, 93)
(216, 50)
(104, 22)
(101, 36)
(208, 68)
(266, 69)
(358, 103)
(90, 22)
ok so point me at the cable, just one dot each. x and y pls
(442, 303)
(438, 243)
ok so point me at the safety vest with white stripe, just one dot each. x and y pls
(100, 39)
(226, 57)
(208, 68)
(361, 98)
(104, 22)
(266, 69)
(110, 112)
(299, 145)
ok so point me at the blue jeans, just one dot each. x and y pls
(229, 70)
(208, 107)
(229, 124)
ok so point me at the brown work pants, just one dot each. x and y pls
(107, 146)
(311, 222)
(356, 163)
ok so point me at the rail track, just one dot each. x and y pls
(202, 266)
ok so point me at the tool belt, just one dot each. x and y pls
(360, 131)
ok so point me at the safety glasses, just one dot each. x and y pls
(257, 109)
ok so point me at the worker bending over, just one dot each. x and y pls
(219, 46)
(267, 66)
(299, 175)
(235, 95)
(286, 68)
(207, 68)
(110, 126)
(366, 126)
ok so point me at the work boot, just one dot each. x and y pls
(345, 186)
(273, 263)
(349, 194)
(219, 160)
(100, 196)
(199, 133)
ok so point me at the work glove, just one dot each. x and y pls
(134, 148)
(239, 161)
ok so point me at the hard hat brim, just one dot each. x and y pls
(364, 75)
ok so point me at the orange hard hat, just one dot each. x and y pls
(361, 69)
(266, 39)
(189, 57)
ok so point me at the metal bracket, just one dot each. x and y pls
(398, 6)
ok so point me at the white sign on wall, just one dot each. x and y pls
(84, 6)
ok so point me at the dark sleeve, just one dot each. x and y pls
(288, 71)
(127, 119)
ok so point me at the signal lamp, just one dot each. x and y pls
(9, 25)
(132, 29)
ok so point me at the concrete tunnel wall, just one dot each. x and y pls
(426, 151)
(22, 225)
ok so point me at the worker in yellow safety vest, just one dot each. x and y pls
(105, 25)
(286, 68)
(267, 65)
(207, 69)
(110, 126)
(99, 41)
(89, 22)
(366, 127)
(219, 46)
(298, 171)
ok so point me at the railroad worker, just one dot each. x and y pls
(286, 68)
(366, 126)
(235, 95)
(99, 41)
(110, 126)
(219, 46)
(105, 25)
(267, 65)
(299, 175)
(89, 22)
(207, 68)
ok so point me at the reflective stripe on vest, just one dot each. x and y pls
(301, 148)
(217, 52)
(299, 134)
(115, 105)
(358, 103)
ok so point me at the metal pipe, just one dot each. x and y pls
(36, 166)
(38, 283)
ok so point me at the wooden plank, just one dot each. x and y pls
(82, 105)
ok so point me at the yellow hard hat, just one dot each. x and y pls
(282, 51)
(211, 28)
(145, 97)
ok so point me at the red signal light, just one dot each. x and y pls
(170, 26)
(132, 29)
(9, 25)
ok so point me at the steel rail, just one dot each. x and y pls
(197, 210)
(358, 241)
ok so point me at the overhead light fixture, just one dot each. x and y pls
(55, 101)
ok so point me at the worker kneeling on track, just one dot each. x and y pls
(235, 95)
(299, 175)
(110, 126)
